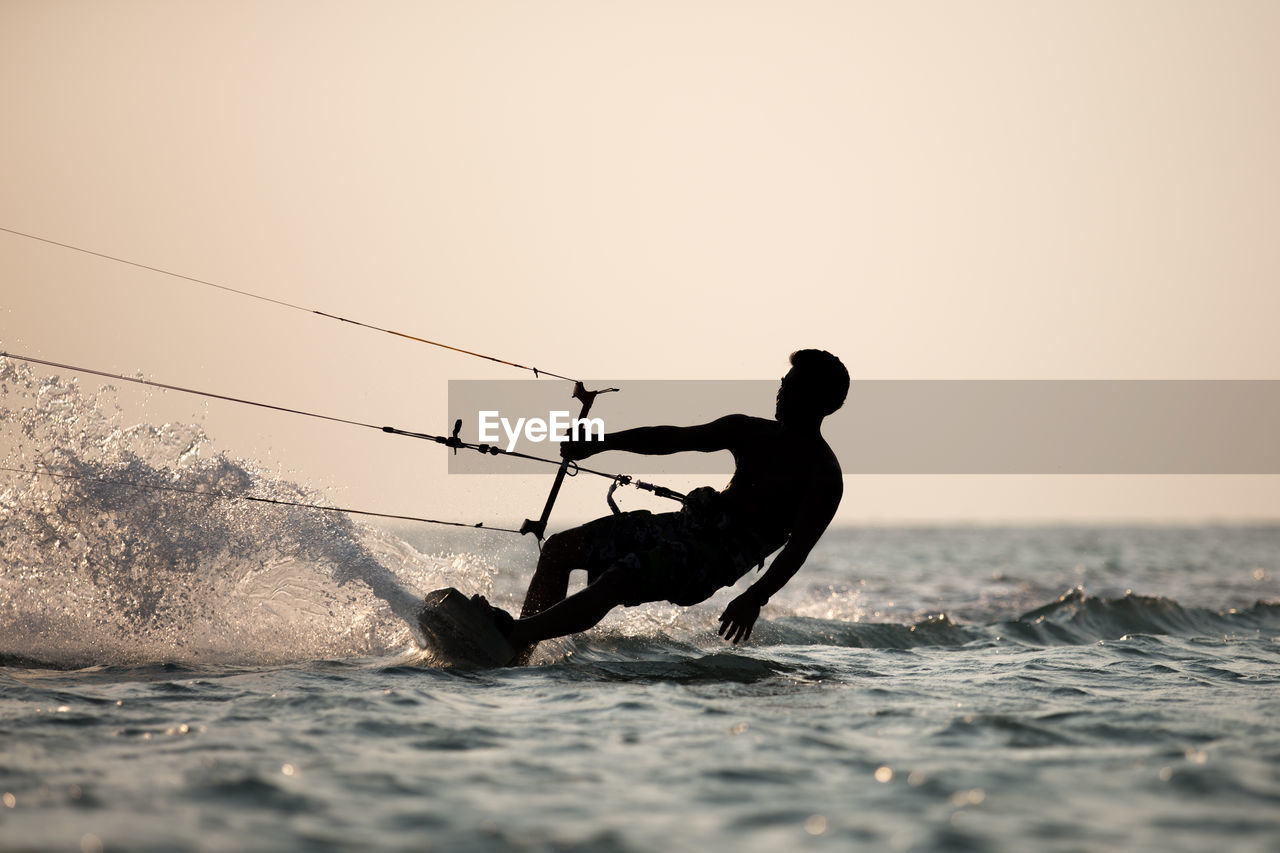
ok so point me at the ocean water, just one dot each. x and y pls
(181, 673)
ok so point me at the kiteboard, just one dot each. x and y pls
(459, 634)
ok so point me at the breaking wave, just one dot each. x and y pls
(1076, 617)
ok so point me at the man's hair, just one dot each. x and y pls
(822, 378)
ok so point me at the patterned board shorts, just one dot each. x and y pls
(682, 557)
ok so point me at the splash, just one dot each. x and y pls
(107, 564)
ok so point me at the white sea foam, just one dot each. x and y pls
(115, 560)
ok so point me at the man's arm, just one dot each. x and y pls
(720, 434)
(815, 513)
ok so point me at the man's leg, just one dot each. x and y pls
(561, 554)
(575, 614)
(546, 612)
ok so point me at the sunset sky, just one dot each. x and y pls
(930, 190)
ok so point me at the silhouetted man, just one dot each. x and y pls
(784, 492)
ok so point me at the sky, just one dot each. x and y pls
(661, 190)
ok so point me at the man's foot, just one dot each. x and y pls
(502, 620)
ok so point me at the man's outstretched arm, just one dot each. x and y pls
(720, 434)
(813, 517)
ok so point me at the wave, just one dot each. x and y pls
(1074, 618)
(1077, 617)
(797, 648)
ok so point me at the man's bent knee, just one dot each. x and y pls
(564, 548)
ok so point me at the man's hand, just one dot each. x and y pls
(739, 617)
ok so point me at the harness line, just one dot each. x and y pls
(215, 495)
(538, 527)
(282, 303)
(565, 466)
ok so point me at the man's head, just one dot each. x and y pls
(815, 386)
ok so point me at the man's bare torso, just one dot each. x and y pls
(780, 473)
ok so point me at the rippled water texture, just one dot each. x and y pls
(184, 673)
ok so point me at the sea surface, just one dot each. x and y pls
(186, 673)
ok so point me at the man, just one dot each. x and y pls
(784, 492)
